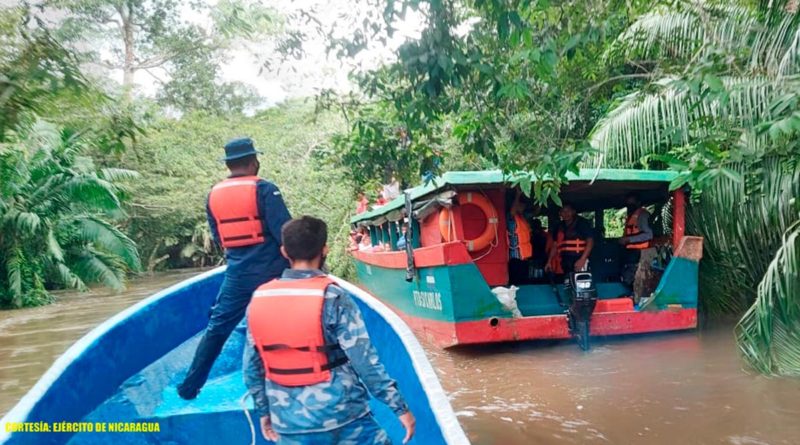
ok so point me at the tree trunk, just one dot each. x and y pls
(126, 15)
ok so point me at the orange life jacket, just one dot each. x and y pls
(569, 245)
(233, 204)
(523, 231)
(632, 229)
(285, 320)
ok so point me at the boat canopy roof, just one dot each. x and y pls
(588, 190)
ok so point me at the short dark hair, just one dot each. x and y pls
(304, 237)
(234, 164)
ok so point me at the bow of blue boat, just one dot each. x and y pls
(123, 374)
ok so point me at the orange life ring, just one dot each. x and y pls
(489, 233)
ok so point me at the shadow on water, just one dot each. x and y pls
(669, 388)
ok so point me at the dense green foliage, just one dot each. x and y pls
(706, 88)
(56, 213)
(179, 162)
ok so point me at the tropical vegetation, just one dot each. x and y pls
(704, 87)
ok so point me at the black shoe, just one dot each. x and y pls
(187, 393)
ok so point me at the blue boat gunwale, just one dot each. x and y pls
(439, 403)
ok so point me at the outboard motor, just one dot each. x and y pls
(583, 293)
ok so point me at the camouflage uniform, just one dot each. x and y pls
(336, 411)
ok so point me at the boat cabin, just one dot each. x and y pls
(462, 219)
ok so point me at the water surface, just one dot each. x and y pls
(678, 388)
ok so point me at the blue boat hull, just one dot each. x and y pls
(126, 370)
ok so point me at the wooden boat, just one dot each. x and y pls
(444, 289)
(122, 376)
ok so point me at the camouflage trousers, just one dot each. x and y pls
(363, 431)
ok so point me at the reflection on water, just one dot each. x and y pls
(679, 388)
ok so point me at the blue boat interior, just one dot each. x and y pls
(126, 370)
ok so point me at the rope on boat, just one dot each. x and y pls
(243, 402)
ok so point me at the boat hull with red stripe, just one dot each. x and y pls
(449, 303)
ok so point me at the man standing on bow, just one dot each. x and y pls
(245, 214)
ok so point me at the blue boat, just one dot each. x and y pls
(122, 375)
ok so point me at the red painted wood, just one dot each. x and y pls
(678, 217)
(446, 334)
(430, 234)
(614, 305)
(492, 261)
(439, 255)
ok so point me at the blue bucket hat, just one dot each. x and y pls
(239, 148)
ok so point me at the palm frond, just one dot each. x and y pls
(769, 333)
(54, 247)
(68, 278)
(14, 274)
(27, 223)
(92, 192)
(742, 230)
(93, 266)
(789, 64)
(678, 34)
(114, 175)
(649, 123)
(110, 239)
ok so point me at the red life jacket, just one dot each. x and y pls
(285, 320)
(233, 204)
(523, 231)
(632, 229)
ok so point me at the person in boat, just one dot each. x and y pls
(520, 249)
(637, 237)
(542, 244)
(381, 199)
(402, 240)
(574, 240)
(309, 363)
(392, 189)
(245, 214)
(362, 203)
(365, 241)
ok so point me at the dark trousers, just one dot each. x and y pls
(227, 312)
(517, 271)
(630, 262)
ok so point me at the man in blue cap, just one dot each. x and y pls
(246, 214)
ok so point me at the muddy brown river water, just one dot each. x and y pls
(677, 388)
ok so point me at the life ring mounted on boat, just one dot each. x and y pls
(489, 234)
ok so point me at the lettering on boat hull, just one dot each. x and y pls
(428, 300)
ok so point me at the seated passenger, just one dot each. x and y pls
(365, 242)
(402, 241)
(637, 237)
(519, 241)
(574, 243)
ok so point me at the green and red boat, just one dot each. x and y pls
(457, 254)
